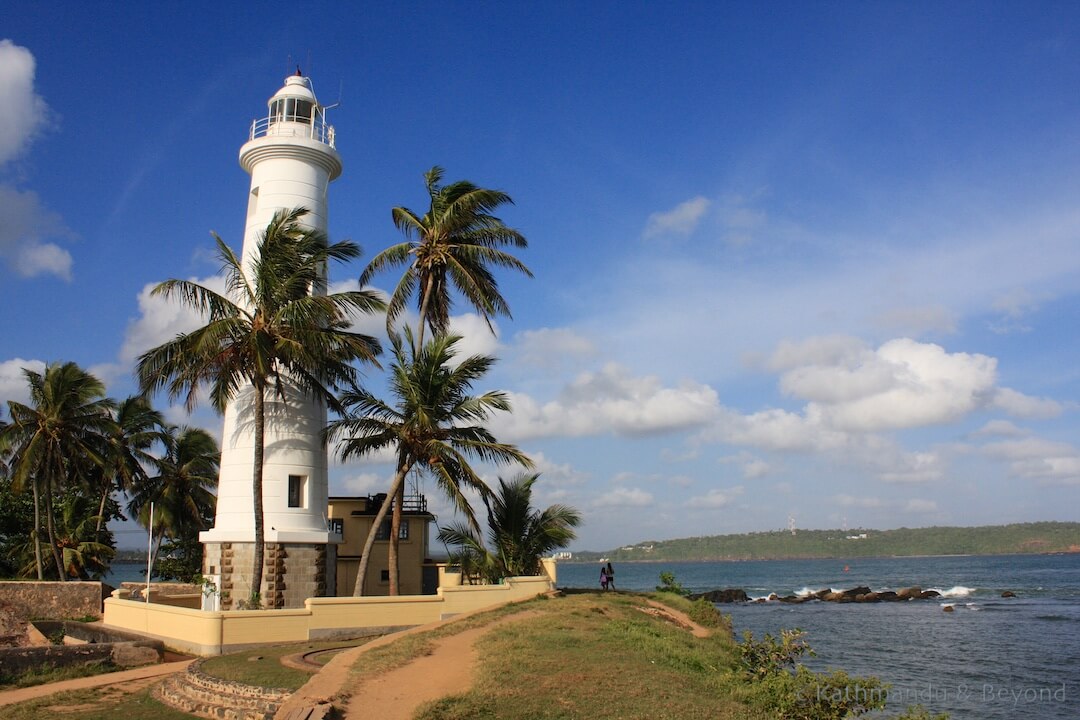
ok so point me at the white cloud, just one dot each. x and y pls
(1025, 406)
(902, 384)
(739, 221)
(917, 320)
(1002, 428)
(1013, 305)
(918, 467)
(363, 484)
(755, 468)
(13, 381)
(715, 498)
(1038, 459)
(161, 320)
(23, 113)
(845, 500)
(917, 505)
(683, 219)
(551, 347)
(624, 497)
(476, 337)
(24, 235)
(611, 400)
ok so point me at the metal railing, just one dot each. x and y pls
(319, 130)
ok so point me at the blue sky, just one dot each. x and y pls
(801, 260)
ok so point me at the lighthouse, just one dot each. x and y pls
(291, 157)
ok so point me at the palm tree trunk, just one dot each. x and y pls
(424, 302)
(101, 513)
(257, 491)
(395, 529)
(50, 526)
(365, 557)
(37, 531)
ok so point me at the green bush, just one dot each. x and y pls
(668, 583)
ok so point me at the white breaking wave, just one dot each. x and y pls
(957, 591)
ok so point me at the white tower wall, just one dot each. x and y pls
(291, 165)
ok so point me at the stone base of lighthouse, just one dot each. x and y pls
(292, 572)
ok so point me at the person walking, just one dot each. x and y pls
(610, 576)
(603, 577)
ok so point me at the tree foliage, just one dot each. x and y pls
(518, 535)
(275, 332)
(432, 423)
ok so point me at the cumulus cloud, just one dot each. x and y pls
(715, 498)
(23, 113)
(1002, 428)
(918, 467)
(624, 497)
(1038, 459)
(25, 233)
(161, 320)
(902, 384)
(845, 500)
(1025, 406)
(551, 347)
(29, 228)
(739, 221)
(918, 320)
(611, 400)
(683, 219)
(918, 505)
(13, 381)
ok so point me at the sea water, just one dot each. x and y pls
(991, 657)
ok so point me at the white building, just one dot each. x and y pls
(291, 158)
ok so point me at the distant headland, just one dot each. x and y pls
(1017, 538)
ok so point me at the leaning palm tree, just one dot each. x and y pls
(276, 330)
(518, 534)
(454, 243)
(432, 424)
(53, 441)
(180, 488)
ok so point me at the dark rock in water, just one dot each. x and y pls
(928, 594)
(947, 608)
(729, 595)
(909, 593)
(888, 596)
(1008, 593)
(794, 599)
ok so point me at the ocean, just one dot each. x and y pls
(992, 657)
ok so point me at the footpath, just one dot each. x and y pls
(126, 680)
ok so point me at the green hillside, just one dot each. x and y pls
(1040, 537)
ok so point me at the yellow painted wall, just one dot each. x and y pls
(212, 633)
(411, 552)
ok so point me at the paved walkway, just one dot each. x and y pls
(149, 672)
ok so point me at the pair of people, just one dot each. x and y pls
(607, 577)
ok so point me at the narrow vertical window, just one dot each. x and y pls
(296, 490)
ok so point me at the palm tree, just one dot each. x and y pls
(454, 242)
(277, 330)
(432, 425)
(53, 441)
(126, 453)
(518, 535)
(181, 489)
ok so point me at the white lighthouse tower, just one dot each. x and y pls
(291, 158)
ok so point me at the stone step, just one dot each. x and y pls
(202, 695)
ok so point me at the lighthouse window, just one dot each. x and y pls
(297, 487)
(291, 109)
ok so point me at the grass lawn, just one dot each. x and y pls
(586, 656)
(96, 704)
(262, 666)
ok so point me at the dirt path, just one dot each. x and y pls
(398, 693)
(123, 681)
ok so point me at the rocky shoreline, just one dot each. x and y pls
(860, 594)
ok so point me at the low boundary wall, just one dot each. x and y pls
(213, 633)
(52, 600)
